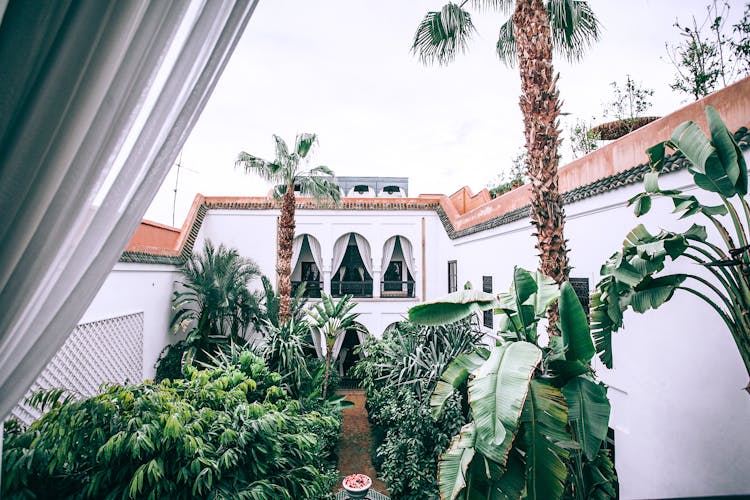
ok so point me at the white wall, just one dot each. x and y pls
(677, 406)
(132, 288)
(253, 233)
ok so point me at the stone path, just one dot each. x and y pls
(355, 441)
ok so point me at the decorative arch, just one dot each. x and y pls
(351, 266)
(398, 267)
(391, 192)
(362, 191)
(307, 264)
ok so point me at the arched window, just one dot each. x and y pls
(307, 263)
(398, 268)
(351, 266)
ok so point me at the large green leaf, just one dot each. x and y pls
(527, 301)
(708, 171)
(574, 326)
(600, 478)
(454, 375)
(727, 150)
(452, 469)
(497, 393)
(451, 308)
(588, 413)
(653, 292)
(545, 420)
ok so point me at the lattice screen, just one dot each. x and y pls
(110, 350)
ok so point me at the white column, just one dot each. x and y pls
(327, 281)
(375, 283)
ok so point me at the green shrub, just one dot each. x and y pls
(398, 374)
(169, 364)
(228, 432)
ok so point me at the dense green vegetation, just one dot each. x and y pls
(224, 432)
(398, 375)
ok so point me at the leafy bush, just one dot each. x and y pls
(227, 432)
(169, 364)
(398, 374)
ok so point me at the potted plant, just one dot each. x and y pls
(357, 485)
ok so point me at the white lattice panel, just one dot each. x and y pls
(110, 350)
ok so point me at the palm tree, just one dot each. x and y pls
(528, 37)
(286, 174)
(214, 304)
(332, 319)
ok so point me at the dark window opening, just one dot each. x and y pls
(352, 277)
(581, 287)
(391, 189)
(487, 316)
(452, 276)
(361, 188)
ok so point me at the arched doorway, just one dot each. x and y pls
(346, 357)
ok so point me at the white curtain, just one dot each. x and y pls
(340, 341)
(339, 249)
(408, 252)
(390, 244)
(98, 98)
(296, 249)
(316, 253)
(364, 251)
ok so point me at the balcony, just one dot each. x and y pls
(397, 289)
(355, 288)
(312, 288)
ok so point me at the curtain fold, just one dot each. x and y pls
(99, 107)
(316, 253)
(339, 249)
(296, 249)
(408, 252)
(364, 251)
(388, 248)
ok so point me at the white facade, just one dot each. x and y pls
(678, 408)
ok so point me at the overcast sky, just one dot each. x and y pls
(343, 69)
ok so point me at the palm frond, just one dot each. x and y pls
(304, 144)
(268, 171)
(319, 187)
(282, 151)
(441, 35)
(505, 6)
(575, 27)
(506, 44)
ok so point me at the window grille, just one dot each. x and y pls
(487, 316)
(581, 287)
(452, 276)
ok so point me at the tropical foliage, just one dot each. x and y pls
(213, 304)
(226, 432)
(629, 277)
(332, 319)
(528, 37)
(398, 374)
(537, 416)
(288, 175)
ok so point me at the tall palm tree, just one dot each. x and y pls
(286, 173)
(529, 37)
(332, 319)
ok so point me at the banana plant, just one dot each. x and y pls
(538, 418)
(629, 276)
(332, 319)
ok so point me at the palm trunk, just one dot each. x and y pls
(327, 373)
(284, 262)
(541, 108)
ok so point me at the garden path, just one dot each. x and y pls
(355, 441)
